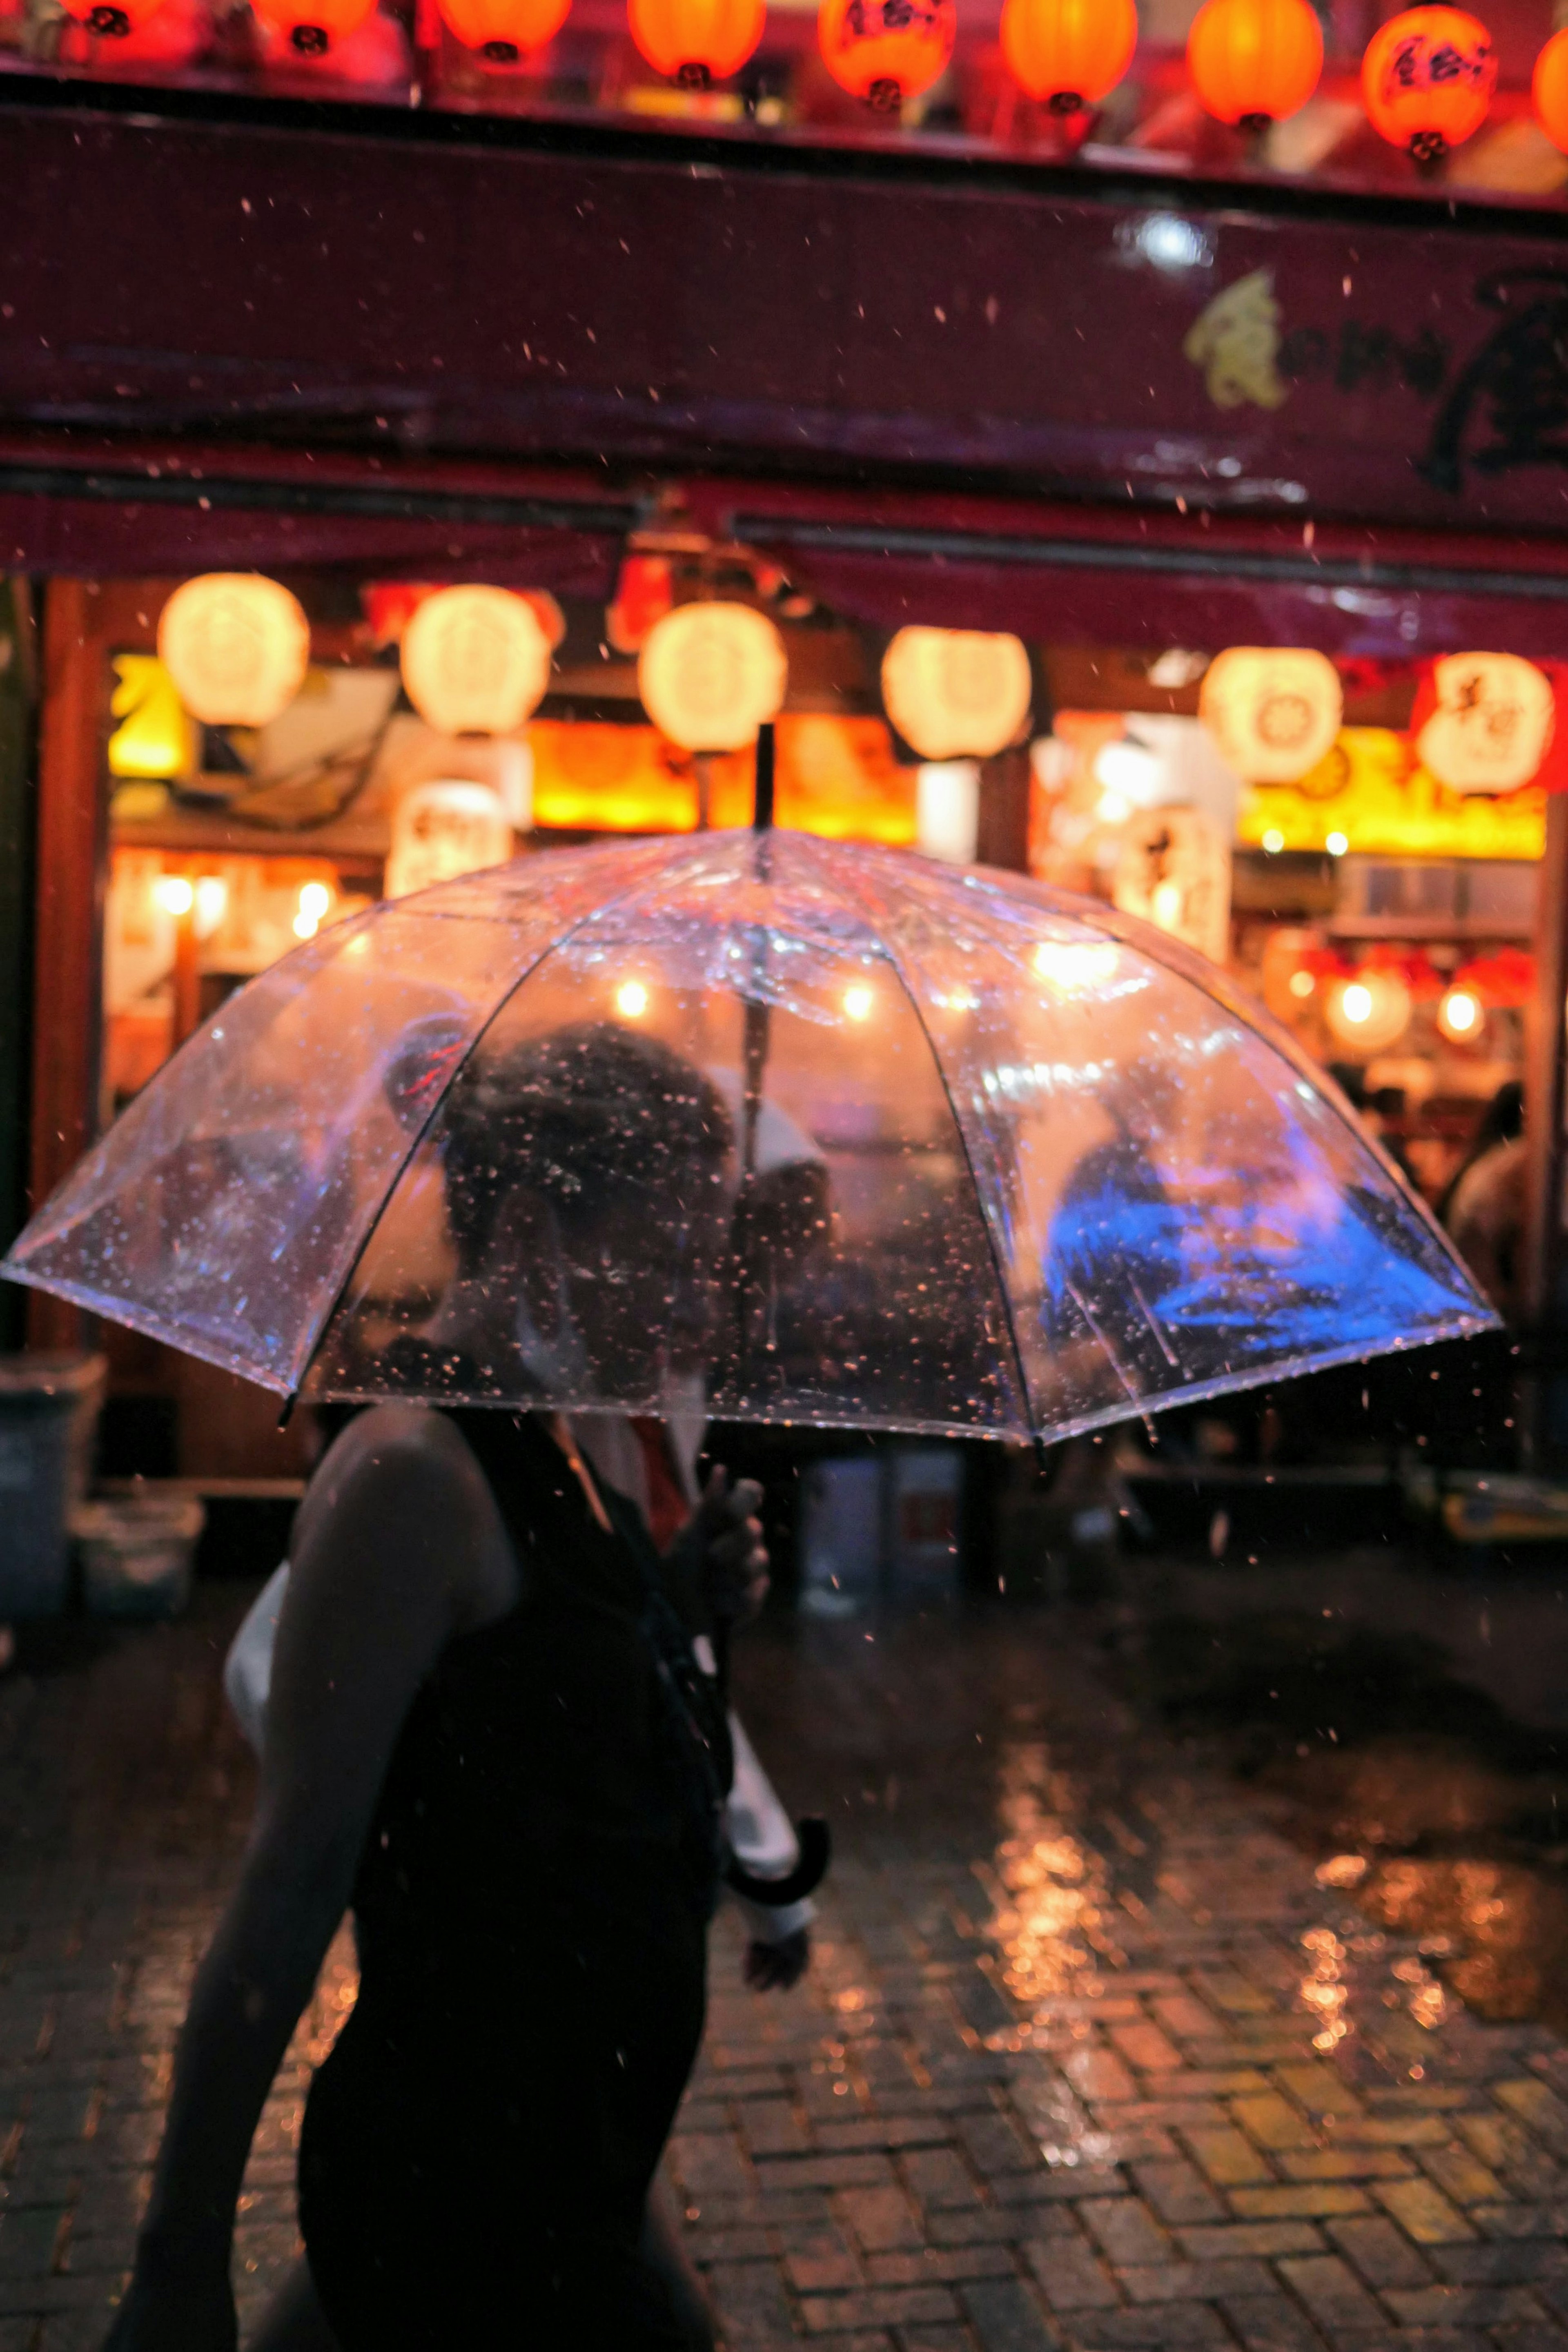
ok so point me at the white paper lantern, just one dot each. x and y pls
(237, 645)
(476, 661)
(711, 675)
(956, 694)
(1274, 711)
(443, 828)
(1493, 723)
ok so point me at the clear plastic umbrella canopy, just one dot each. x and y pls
(839, 1135)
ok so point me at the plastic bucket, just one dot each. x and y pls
(49, 1410)
(136, 1553)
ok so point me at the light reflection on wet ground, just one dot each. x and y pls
(1376, 1732)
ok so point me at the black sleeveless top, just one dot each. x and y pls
(531, 1908)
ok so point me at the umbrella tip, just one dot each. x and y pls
(762, 805)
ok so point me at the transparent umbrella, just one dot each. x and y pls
(983, 1157)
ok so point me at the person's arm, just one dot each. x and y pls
(398, 1547)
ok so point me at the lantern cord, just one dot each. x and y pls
(762, 803)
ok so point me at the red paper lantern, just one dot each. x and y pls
(1253, 62)
(1550, 90)
(1428, 79)
(887, 50)
(503, 30)
(311, 28)
(696, 42)
(1069, 52)
(112, 19)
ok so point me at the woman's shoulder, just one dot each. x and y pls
(403, 1478)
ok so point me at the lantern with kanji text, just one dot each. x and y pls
(887, 50)
(1428, 79)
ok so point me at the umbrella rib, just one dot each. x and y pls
(416, 1142)
(1002, 1294)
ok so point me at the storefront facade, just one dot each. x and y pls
(1124, 414)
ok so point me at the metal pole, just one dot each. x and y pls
(1544, 1104)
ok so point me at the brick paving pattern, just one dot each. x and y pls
(1089, 2057)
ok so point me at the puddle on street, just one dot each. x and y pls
(1441, 1816)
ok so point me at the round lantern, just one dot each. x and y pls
(475, 661)
(1550, 90)
(311, 28)
(1428, 79)
(1253, 62)
(236, 646)
(956, 694)
(1069, 52)
(696, 42)
(887, 50)
(710, 675)
(1483, 722)
(1274, 711)
(503, 30)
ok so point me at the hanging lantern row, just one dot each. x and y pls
(475, 660)
(1428, 76)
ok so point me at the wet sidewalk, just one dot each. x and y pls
(1090, 2055)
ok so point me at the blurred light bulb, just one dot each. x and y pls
(1273, 841)
(211, 904)
(175, 894)
(1357, 1003)
(307, 925)
(632, 999)
(314, 900)
(1337, 843)
(1165, 905)
(1301, 984)
(1459, 1015)
(858, 1002)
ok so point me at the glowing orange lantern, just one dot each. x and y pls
(503, 30)
(1070, 53)
(1427, 79)
(1253, 62)
(887, 50)
(696, 42)
(311, 28)
(1550, 90)
(112, 19)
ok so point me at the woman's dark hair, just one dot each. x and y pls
(570, 1115)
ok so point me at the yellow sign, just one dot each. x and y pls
(835, 777)
(1372, 793)
(155, 739)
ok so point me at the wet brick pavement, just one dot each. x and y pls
(1089, 2057)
